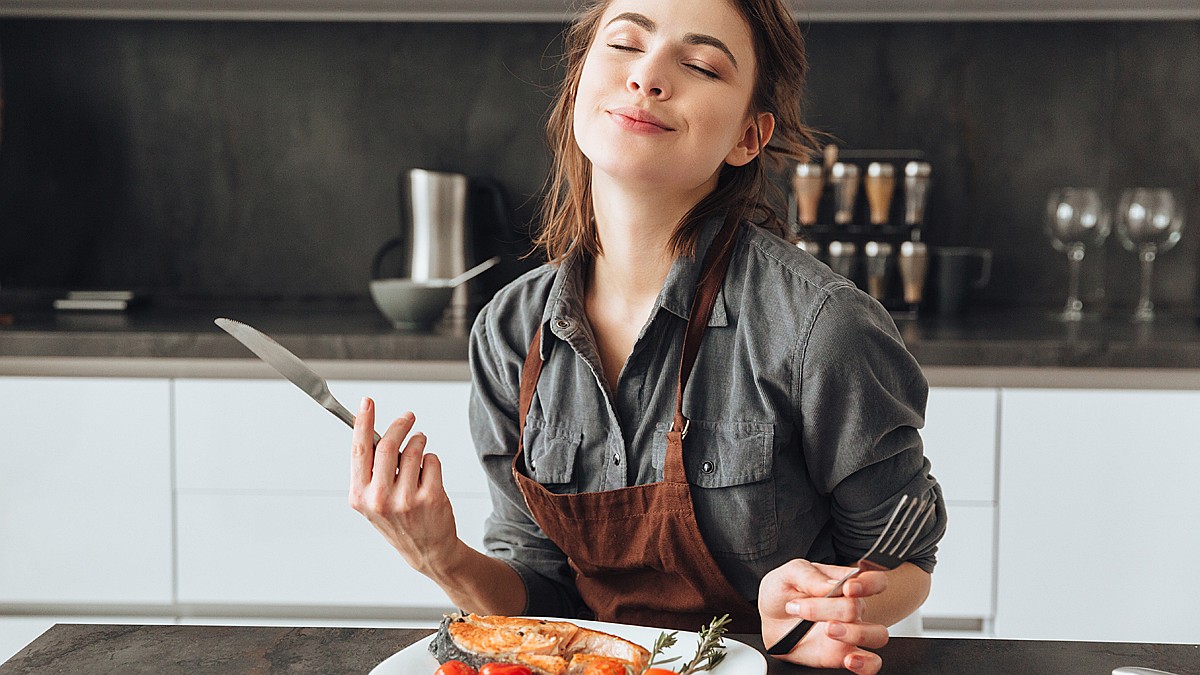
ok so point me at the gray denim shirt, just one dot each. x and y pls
(804, 407)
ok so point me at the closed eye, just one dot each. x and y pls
(623, 48)
(703, 71)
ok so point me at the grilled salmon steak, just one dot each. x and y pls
(545, 647)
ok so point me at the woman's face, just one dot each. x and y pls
(663, 99)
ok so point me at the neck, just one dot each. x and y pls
(635, 229)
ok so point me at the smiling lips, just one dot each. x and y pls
(636, 119)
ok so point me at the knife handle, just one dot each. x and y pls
(346, 416)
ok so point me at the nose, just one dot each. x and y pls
(649, 78)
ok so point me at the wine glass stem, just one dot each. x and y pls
(1145, 308)
(1074, 306)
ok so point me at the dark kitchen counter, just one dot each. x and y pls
(79, 648)
(354, 331)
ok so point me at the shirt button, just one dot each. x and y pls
(707, 467)
(616, 459)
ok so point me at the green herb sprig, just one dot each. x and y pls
(711, 649)
(665, 641)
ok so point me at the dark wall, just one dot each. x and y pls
(236, 158)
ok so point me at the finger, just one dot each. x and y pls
(870, 635)
(431, 473)
(863, 662)
(362, 444)
(409, 477)
(848, 610)
(865, 585)
(809, 579)
(387, 452)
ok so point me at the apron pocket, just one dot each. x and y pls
(729, 466)
(550, 453)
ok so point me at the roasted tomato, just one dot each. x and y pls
(504, 669)
(659, 671)
(454, 668)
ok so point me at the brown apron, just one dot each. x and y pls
(637, 552)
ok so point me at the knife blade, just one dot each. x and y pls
(290, 366)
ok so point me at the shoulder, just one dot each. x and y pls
(506, 324)
(767, 254)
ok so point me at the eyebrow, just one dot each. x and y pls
(646, 23)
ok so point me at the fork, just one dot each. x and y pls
(888, 551)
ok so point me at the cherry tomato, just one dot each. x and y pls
(504, 669)
(659, 671)
(454, 668)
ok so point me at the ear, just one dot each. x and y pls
(755, 137)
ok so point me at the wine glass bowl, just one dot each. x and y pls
(1149, 222)
(1075, 220)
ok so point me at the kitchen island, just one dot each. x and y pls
(77, 648)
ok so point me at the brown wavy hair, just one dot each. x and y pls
(567, 218)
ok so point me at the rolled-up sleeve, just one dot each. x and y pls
(861, 402)
(511, 534)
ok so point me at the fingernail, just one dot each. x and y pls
(362, 407)
(853, 588)
(836, 630)
(409, 416)
(856, 662)
(792, 608)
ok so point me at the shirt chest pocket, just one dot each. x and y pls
(550, 455)
(730, 468)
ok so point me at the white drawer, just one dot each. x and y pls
(964, 576)
(85, 490)
(303, 550)
(960, 441)
(267, 435)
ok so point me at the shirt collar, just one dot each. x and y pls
(564, 310)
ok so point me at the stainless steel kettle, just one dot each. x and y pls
(444, 225)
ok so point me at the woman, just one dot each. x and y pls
(681, 416)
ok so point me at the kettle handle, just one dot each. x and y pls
(384, 250)
(504, 231)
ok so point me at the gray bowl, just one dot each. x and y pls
(411, 305)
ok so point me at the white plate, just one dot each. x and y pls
(740, 659)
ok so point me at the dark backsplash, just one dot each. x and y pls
(261, 159)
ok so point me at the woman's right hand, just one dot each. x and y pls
(401, 493)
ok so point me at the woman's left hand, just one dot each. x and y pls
(795, 590)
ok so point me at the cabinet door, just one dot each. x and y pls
(1098, 515)
(85, 490)
(301, 551)
(963, 579)
(960, 442)
(267, 435)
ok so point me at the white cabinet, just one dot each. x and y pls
(307, 550)
(262, 474)
(1099, 506)
(85, 491)
(960, 442)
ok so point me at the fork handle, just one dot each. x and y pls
(788, 642)
(797, 633)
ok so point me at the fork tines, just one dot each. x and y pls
(900, 533)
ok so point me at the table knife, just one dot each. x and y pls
(290, 366)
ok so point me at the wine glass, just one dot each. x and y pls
(1075, 219)
(1149, 222)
